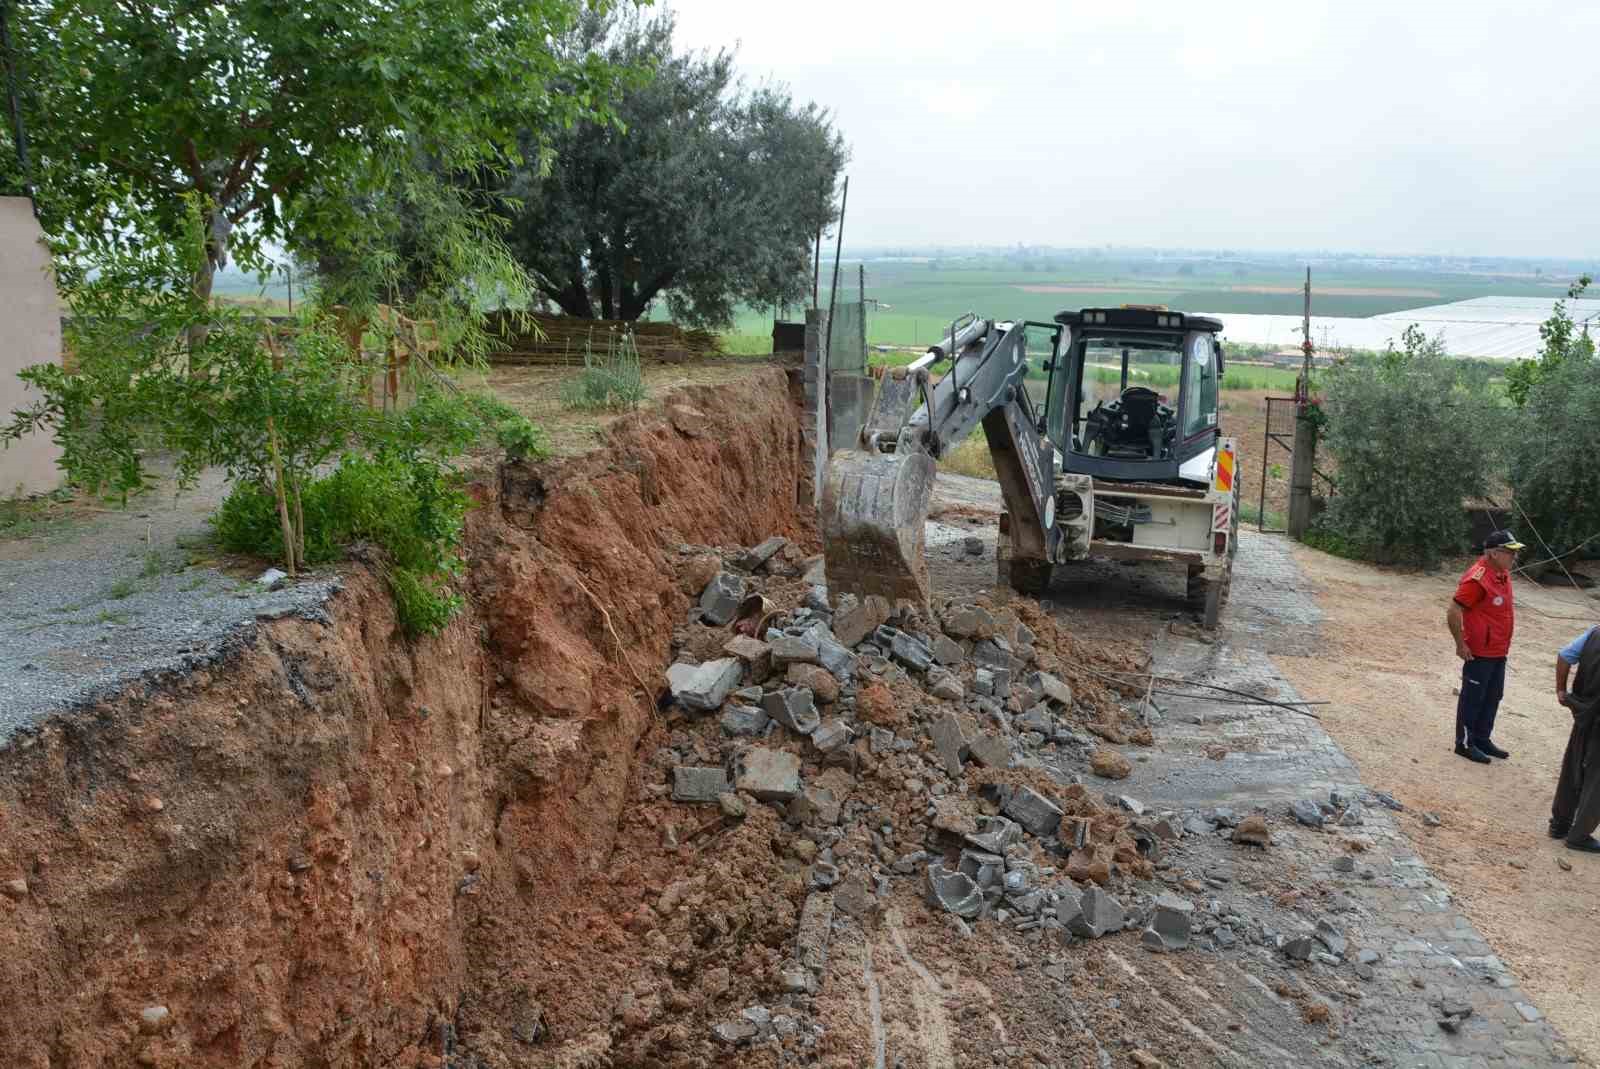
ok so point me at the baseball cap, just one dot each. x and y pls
(1502, 540)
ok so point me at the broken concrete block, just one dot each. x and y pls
(1224, 817)
(954, 891)
(942, 684)
(754, 557)
(881, 741)
(831, 735)
(1131, 804)
(1330, 937)
(983, 682)
(732, 805)
(1037, 718)
(969, 621)
(947, 651)
(719, 601)
(744, 720)
(1353, 817)
(855, 897)
(994, 834)
(793, 708)
(704, 687)
(1054, 689)
(1307, 812)
(991, 751)
(983, 868)
(1167, 829)
(910, 651)
(1170, 925)
(1299, 948)
(990, 653)
(1001, 678)
(815, 678)
(756, 655)
(816, 931)
(1098, 914)
(792, 649)
(855, 618)
(830, 654)
(1037, 814)
(692, 783)
(949, 742)
(272, 579)
(770, 775)
(814, 805)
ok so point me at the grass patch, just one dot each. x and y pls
(610, 381)
(33, 517)
(123, 588)
(971, 457)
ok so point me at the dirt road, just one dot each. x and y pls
(1388, 669)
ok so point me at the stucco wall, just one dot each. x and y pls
(30, 333)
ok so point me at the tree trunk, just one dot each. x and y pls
(204, 276)
(286, 525)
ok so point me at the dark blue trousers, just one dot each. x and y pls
(1483, 681)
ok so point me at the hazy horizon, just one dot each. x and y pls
(1418, 129)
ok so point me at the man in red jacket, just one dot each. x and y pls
(1481, 620)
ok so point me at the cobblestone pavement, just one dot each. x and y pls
(1364, 877)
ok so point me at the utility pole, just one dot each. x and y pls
(1303, 462)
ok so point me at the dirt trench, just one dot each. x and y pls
(336, 847)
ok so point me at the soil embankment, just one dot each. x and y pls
(335, 847)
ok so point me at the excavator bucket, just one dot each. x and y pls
(874, 512)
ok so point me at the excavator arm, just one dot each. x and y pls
(875, 499)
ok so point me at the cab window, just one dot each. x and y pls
(1200, 396)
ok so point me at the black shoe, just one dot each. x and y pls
(1472, 753)
(1559, 831)
(1591, 845)
(1491, 749)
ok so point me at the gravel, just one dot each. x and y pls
(112, 601)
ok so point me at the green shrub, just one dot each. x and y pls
(1554, 476)
(1413, 435)
(612, 380)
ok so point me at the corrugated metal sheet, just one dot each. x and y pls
(1500, 328)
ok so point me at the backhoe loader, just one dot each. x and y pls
(1123, 458)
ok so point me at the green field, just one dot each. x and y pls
(912, 303)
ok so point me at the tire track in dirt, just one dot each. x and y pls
(927, 997)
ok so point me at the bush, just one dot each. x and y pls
(610, 380)
(1413, 435)
(1554, 476)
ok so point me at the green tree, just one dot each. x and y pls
(1561, 339)
(277, 117)
(1414, 435)
(704, 193)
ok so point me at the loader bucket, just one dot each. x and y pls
(874, 511)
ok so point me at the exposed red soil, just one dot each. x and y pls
(341, 848)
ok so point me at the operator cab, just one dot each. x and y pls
(1133, 393)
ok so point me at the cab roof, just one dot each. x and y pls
(1138, 318)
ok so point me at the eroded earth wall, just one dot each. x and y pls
(334, 843)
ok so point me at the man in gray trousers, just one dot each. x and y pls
(1575, 813)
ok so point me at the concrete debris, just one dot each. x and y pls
(983, 868)
(1224, 817)
(1431, 820)
(17, 888)
(719, 601)
(969, 621)
(830, 736)
(990, 750)
(855, 897)
(1368, 957)
(770, 775)
(1353, 817)
(942, 684)
(1098, 914)
(1037, 814)
(814, 805)
(816, 931)
(994, 834)
(704, 687)
(855, 620)
(1170, 925)
(954, 891)
(793, 649)
(881, 741)
(830, 654)
(154, 1019)
(744, 720)
(1037, 718)
(754, 557)
(697, 783)
(816, 599)
(1196, 826)
(1455, 1007)
(815, 678)
(1054, 689)
(1450, 1024)
(1330, 937)
(910, 651)
(973, 545)
(990, 653)
(1110, 764)
(1167, 829)
(824, 874)
(735, 1031)
(1132, 805)
(1385, 799)
(1299, 948)
(1252, 830)
(793, 708)
(732, 805)
(272, 579)
(947, 651)
(1224, 937)
(949, 743)
(983, 682)
(1344, 863)
(1307, 812)
(1528, 1013)
(797, 979)
(951, 818)
(756, 655)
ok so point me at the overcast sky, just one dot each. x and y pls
(1399, 126)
